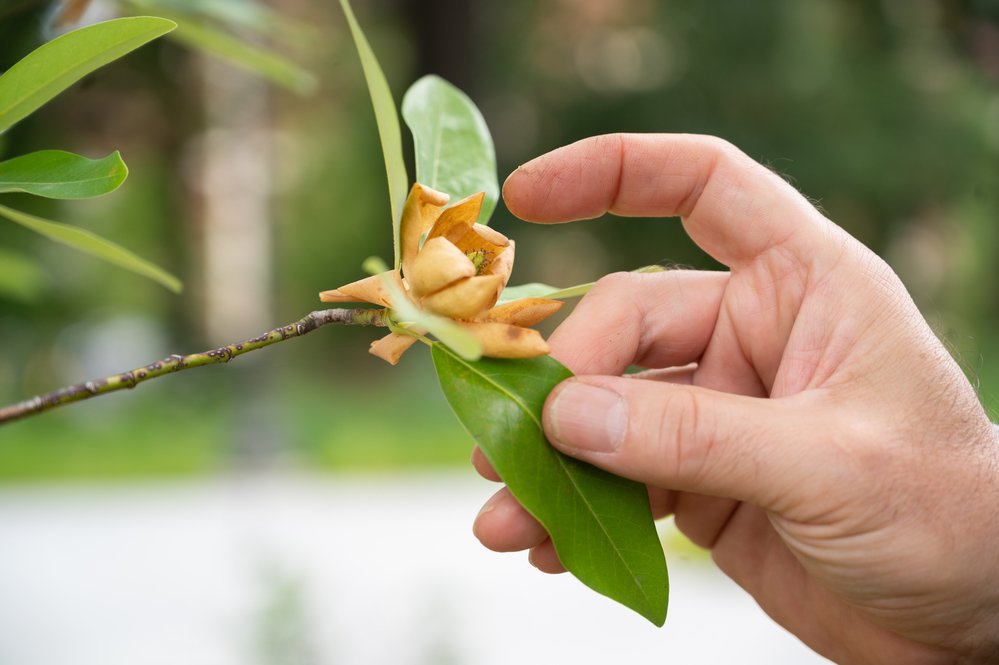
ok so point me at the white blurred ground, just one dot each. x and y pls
(331, 570)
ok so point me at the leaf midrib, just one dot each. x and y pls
(56, 183)
(519, 402)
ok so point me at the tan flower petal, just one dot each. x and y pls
(423, 207)
(485, 246)
(502, 264)
(391, 347)
(500, 340)
(457, 220)
(465, 298)
(370, 289)
(525, 312)
(438, 264)
(334, 295)
(477, 241)
(490, 234)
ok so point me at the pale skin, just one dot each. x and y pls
(825, 446)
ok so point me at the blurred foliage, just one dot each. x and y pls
(32, 82)
(885, 113)
(246, 33)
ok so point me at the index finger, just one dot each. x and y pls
(732, 207)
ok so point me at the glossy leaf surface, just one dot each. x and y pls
(53, 67)
(387, 119)
(601, 524)
(92, 244)
(57, 174)
(454, 149)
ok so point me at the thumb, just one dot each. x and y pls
(689, 438)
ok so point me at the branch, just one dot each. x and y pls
(176, 363)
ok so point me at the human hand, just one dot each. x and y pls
(825, 446)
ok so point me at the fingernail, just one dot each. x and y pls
(586, 417)
(487, 507)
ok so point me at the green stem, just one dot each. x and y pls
(176, 363)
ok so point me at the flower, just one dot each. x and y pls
(458, 273)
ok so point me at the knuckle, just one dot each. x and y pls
(606, 142)
(686, 439)
(613, 284)
(725, 152)
(724, 148)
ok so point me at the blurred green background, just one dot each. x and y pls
(884, 113)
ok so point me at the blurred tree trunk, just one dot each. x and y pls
(444, 34)
(234, 176)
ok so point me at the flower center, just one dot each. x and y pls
(478, 259)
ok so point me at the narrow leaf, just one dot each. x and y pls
(92, 244)
(253, 58)
(601, 524)
(454, 149)
(530, 290)
(539, 290)
(53, 67)
(388, 125)
(57, 174)
(244, 15)
(460, 341)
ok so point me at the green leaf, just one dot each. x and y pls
(57, 174)
(388, 125)
(53, 67)
(539, 290)
(92, 244)
(20, 278)
(454, 150)
(408, 315)
(253, 58)
(601, 524)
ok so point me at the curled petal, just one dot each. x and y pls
(502, 264)
(525, 312)
(457, 224)
(370, 289)
(490, 235)
(391, 347)
(487, 246)
(423, 207)
(438, 264)
(457, 220)
(501, 340)
(465, 298)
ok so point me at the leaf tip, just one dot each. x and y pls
(157, 24)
